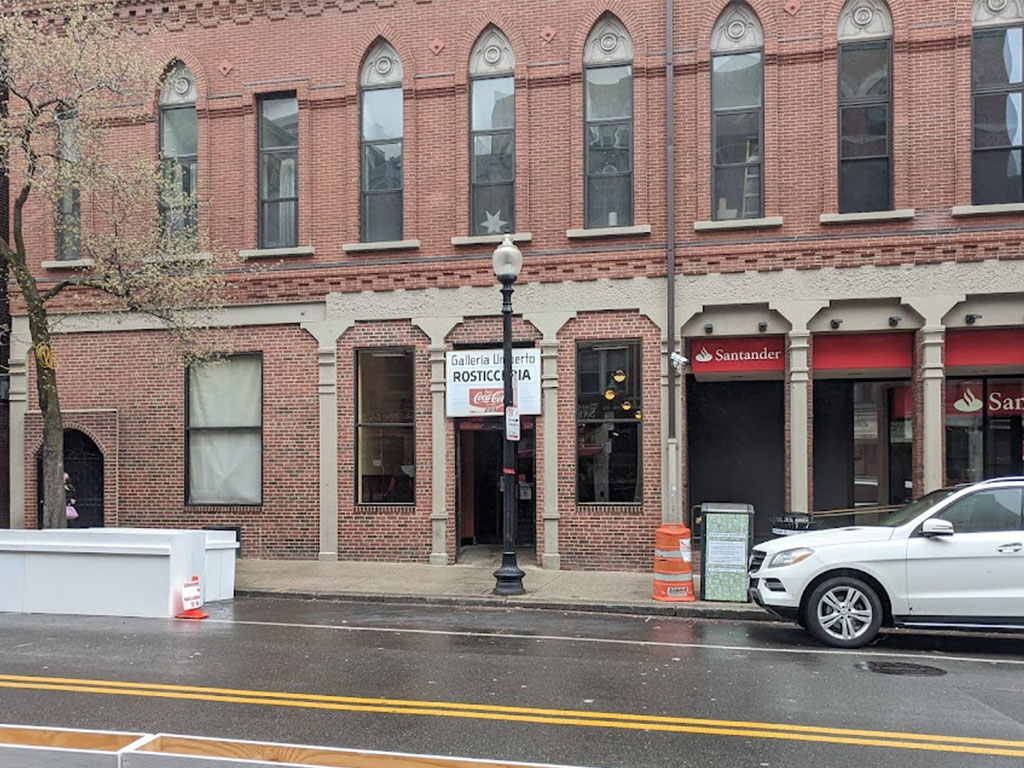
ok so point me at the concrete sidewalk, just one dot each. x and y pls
(471, 582)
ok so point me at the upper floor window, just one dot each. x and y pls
(865, 107)
(608, 131)
(492, 175)
(279, 171)
(382, 130)
(179, 148)
(737, 119)
(997, 85)
(69, 209)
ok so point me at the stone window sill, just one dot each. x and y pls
(184, 258)
(987, 210)
(713, 226)
(900, 214)
(636, 229)
(68, 264)
(274, 253)
(517, 237)
(383, 245)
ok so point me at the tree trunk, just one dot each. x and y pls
(53, 502)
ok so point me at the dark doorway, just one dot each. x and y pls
(479, 459)
(736, 446)
(863, 433)
(83, 461)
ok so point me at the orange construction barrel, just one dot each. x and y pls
(673, 564)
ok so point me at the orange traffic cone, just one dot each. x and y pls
(673, 564)
(191, 593)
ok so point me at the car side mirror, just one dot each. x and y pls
(936, 527)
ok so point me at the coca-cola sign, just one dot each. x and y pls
(488, 400)
(474, 382)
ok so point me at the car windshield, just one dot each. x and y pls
(908, 512)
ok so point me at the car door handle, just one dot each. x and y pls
(1010, 548)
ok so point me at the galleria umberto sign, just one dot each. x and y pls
(474, 384)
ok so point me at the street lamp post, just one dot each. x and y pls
(508, 260)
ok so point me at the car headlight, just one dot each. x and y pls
(790, 556)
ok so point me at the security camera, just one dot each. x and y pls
(679, 362)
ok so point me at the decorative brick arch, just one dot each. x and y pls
(624, 13)
(475, 29)
(764, 12)
(365, 44)
(166, 56)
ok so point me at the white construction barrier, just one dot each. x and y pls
(112, 571)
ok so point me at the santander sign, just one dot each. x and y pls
(1004, 399)
(738, 354)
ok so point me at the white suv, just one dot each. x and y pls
(953, 558)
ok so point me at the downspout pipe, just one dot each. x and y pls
(670, 218)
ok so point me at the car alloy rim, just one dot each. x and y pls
(845, 613)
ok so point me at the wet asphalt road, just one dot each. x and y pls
(724, 671)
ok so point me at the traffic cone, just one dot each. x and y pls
(193, 613)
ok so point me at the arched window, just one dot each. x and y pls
(997, 88)
(737, 108)
(179, 148)
(608, 113)
(865, 107)
(381, 139)
(492, 96)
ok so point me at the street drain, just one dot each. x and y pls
(901, 668)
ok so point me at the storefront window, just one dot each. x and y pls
(608, 422)
(984, 433)
(863, 441)
(386, 466)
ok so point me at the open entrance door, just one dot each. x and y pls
(83, 462)
(478, 456)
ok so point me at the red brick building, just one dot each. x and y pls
(841, 205)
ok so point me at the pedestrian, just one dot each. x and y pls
(69, 501)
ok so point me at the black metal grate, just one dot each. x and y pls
(756, 559)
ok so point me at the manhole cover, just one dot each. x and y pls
(901, 668)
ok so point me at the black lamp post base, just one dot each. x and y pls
(509, 577)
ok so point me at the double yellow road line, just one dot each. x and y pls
(565, 717)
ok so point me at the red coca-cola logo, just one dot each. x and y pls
(491, 400)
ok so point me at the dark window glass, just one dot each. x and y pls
(69, 204)
(984, 428)
(386, 416)
(493, 155)
(996, 57)
(996, 63)
(383, 125)
(997, 176)
(609, 416)
(737, 122)
(865, 127)
(864, 71)
(608, 100)
(863, 185)
(736, 81)
(985, 511)
(279, 171)
(225, 431)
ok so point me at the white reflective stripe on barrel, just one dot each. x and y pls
(673, 577)
(668, 553)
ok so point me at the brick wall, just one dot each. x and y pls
(609, 536)
(239, 53)
(127, 391)
(375, 531)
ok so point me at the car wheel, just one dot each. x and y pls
(843, 612)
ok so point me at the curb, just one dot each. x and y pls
(696, 610)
